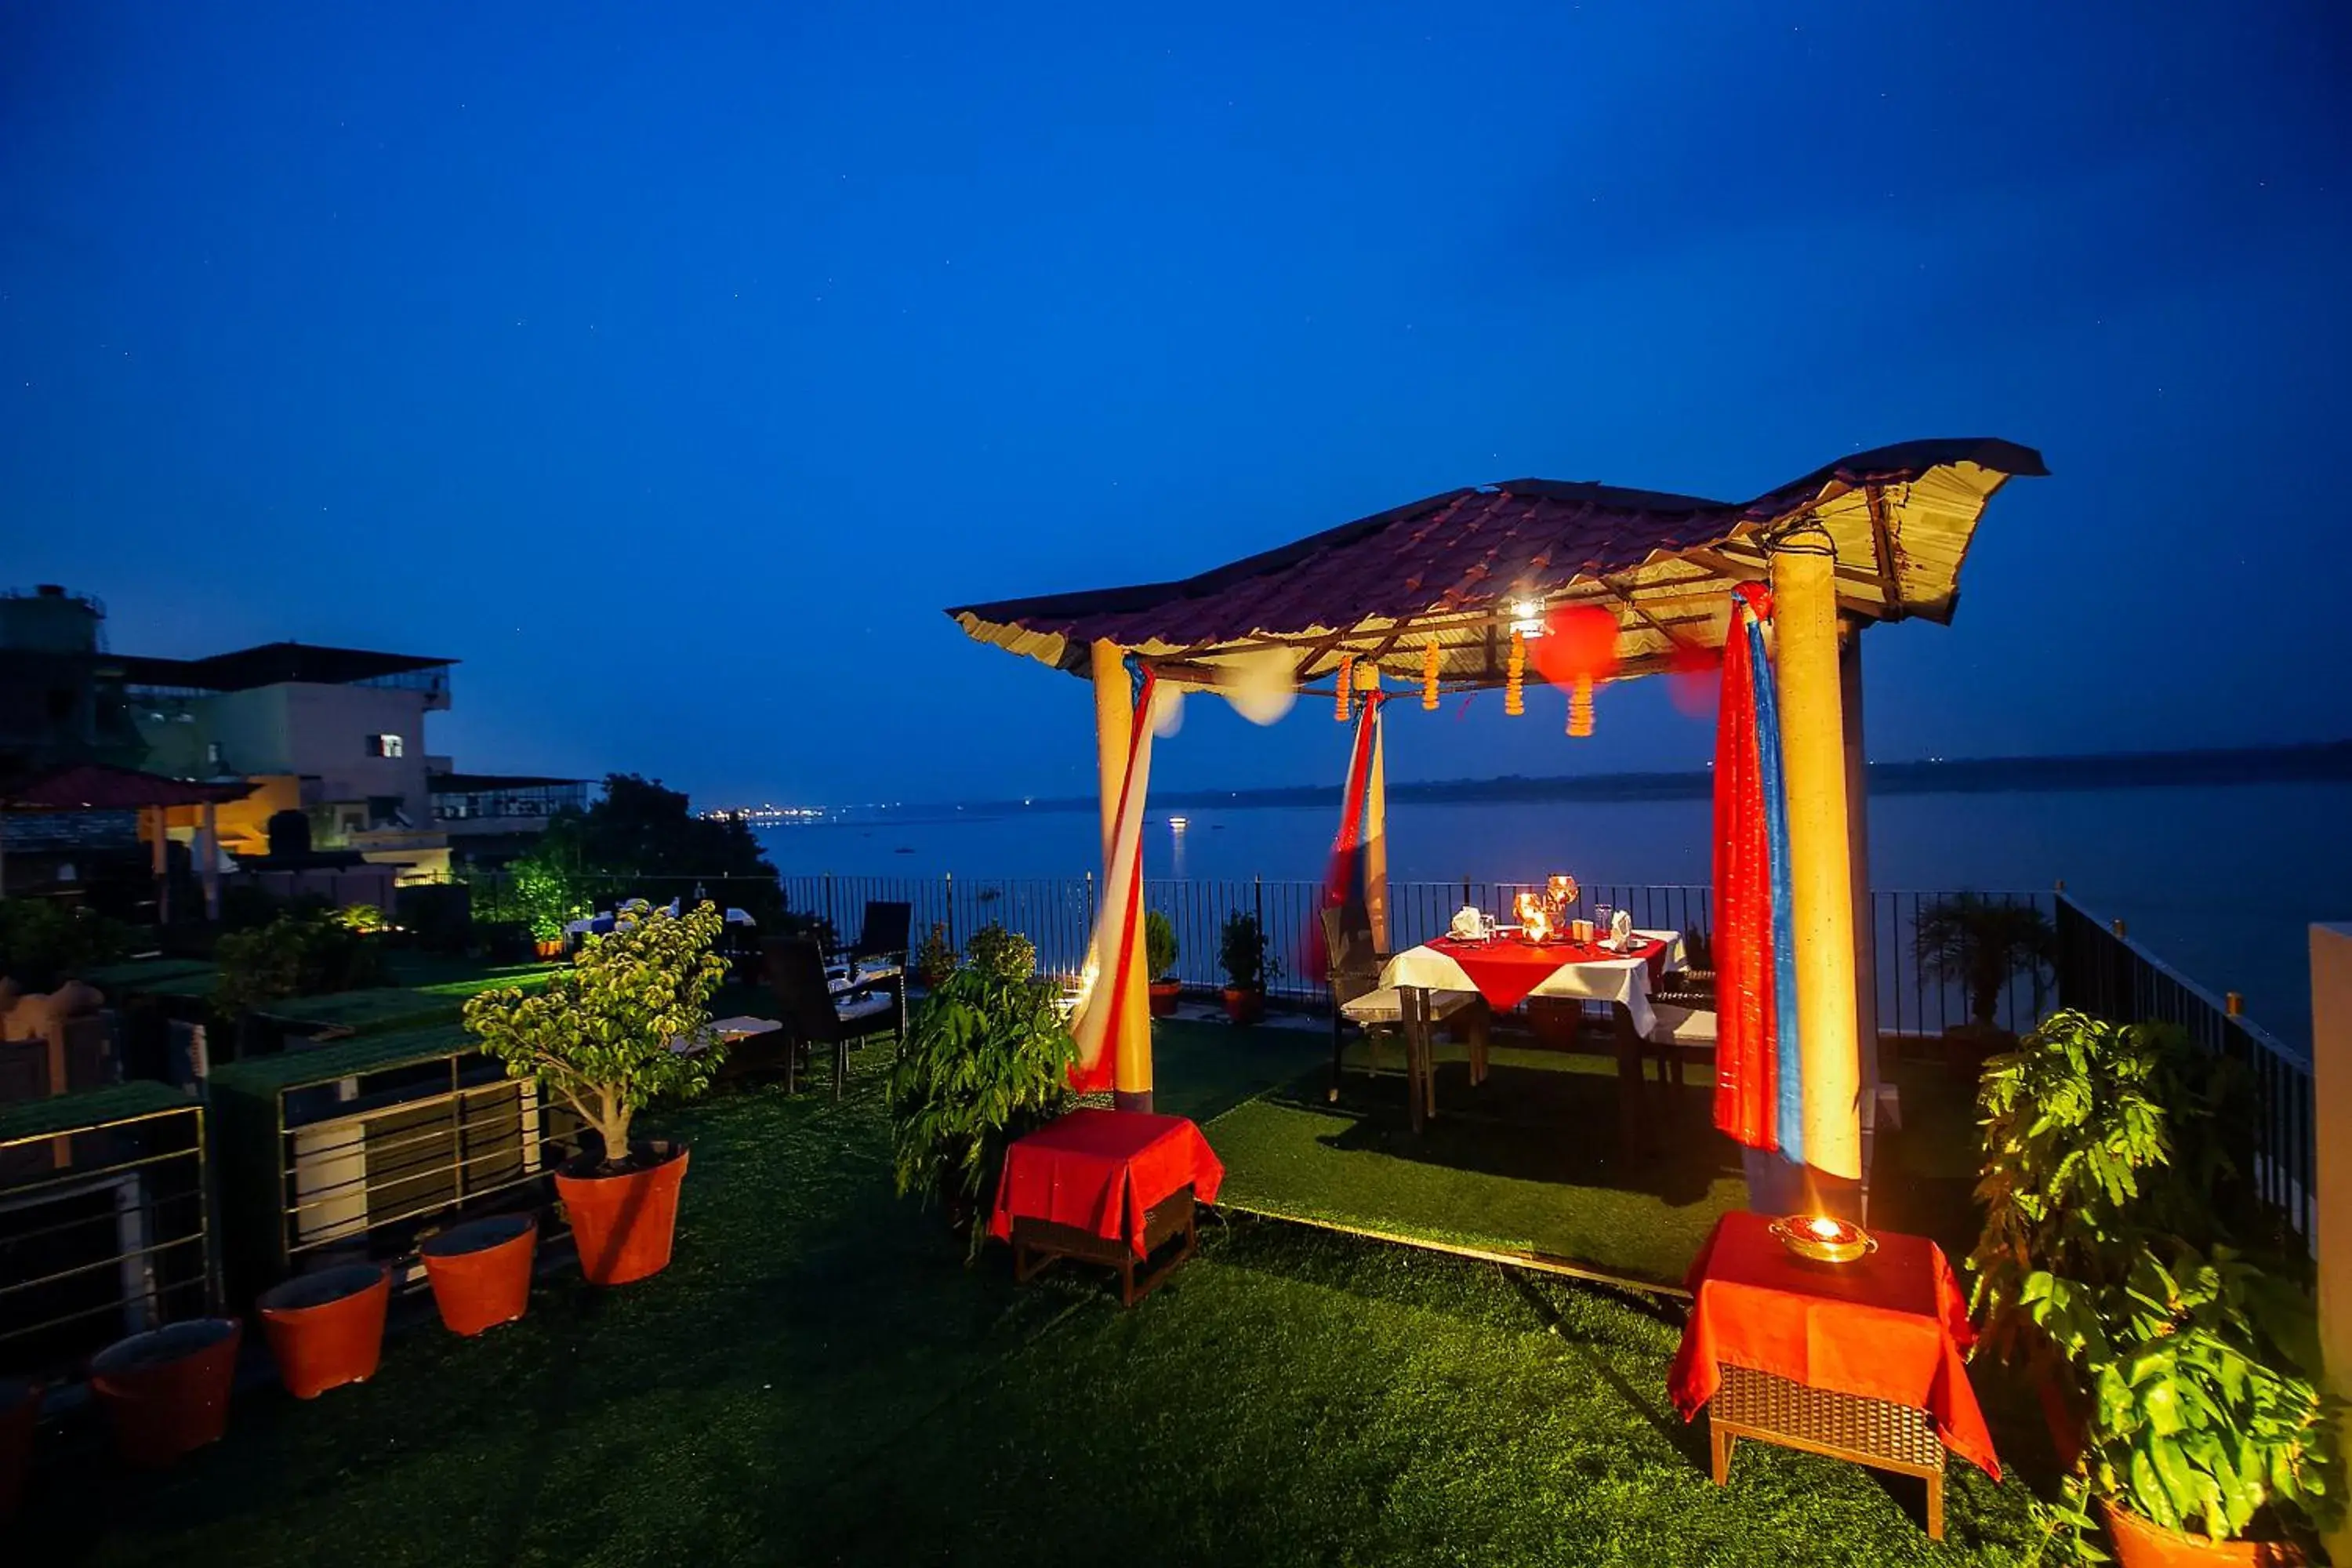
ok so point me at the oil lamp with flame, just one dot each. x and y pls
(1821, 1238)
(1560, 897)
(1535, 919)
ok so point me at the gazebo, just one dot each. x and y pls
(1446, 593)
(99, 786)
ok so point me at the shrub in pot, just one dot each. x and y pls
(1979, 944)
(935, 959)
(326, 1329)
(1248, 965)
(605, 1037)
(2110, 1270)
(1007, 955)
(987, 1059)
(1160, 961)
(166, 1390)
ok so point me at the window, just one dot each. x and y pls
(384, 745)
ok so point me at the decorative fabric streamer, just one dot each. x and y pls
(1343, 881)
(1100, 1008)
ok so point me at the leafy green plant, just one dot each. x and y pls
(599, 1037)
(1006, 954)
(362, 917)
(2107, 1268)
(1159, 945)
(1978, 944)
(304, 952)
(987, 1059)
(44, 941)
(547, 894)
(935, 959)
(1243, 953)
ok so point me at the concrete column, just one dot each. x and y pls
(161, 817)
(1865, 928)
(2331, 1118)
(208, 860)
(1821, 871)
(1114, 738)
(1376, 840)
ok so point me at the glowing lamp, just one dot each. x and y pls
(1822, 1238)
(1578, 648)
(1535, 922)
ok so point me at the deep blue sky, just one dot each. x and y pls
(672, 367)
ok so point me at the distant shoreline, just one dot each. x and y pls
(2324, 763)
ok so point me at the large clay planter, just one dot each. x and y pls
(20, 1410)
(1244, 1006)
(1164, 996)
(480, 1271)
(623, 1223)
(2142, 1543)
(327, 1329)
(167, 1390)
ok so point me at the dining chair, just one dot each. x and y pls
(1353, 966)
(883, 935)
(816, 1015)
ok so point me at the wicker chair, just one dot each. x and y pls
(883, 938)
(814, 1014)
(1683, 1006)
(1353, 966)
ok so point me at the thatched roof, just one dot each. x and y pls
(1460, 567)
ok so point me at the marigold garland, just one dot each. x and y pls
(1513, 704)
(1343, 704)
(1579, 707)
(1429, 677)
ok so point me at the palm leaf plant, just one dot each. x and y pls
(1978, 944)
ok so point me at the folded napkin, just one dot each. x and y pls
(1621, 929)
(1469, 925)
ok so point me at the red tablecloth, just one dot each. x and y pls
(1506, 971)
(1890, 1326)
(1101, 1170)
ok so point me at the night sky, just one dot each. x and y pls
(672, 367)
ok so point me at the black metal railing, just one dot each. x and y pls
(2102, 971)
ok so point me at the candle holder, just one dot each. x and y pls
(1818, 1239)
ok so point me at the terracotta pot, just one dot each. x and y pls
(20, 1411)
(550, 949)
(1164, 995)
(326, 1329)
(480, 1271)
(623, 1223)
(2143, 1543)
(167, 1390)
(1244, 1006)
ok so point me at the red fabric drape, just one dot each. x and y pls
(1746, 1072)
(1345, 875)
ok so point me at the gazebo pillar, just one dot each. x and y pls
(1376, 843)
(1114, 738)
(208, 861)
(1821, 868)
(1866, 925)
(161, 817)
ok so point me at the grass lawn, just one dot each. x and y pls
(820, 1378)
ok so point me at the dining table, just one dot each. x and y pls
(1506, 969)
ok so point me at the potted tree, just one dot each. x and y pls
(1979, 945)
(1248, 965)
(1159, 957)
(987, 1058)
(2108, 1271)
(626, 1023)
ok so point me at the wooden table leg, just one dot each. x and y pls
(1479, 1018)
(1630, 1083)
(1720, 1445)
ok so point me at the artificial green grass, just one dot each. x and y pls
(819, 1378)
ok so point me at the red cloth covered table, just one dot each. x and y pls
(1891, 1326)
(1506, 971)
(1100, 1171)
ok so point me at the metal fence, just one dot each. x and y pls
(2102, 971)
(103, 1225)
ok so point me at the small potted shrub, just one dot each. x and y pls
(1160, 959)
(166, 1390)
(935, 959)
(326, 1327)
(2109, 1273)
(1248, 965)
(1007, 955)
(987, 1059)
(1981, 945)
(604, 1038)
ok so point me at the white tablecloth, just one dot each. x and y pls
(1617, 980)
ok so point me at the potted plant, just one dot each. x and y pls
(326, 1327)
(1248, 965)
(1159, 957)
(1007, 955)
(2108, 1274)
(166, 1390)
(987, 1058)
(20, 1413)
(935, 959)
(626, 1023)
(1979, 945)
(480, 1271)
